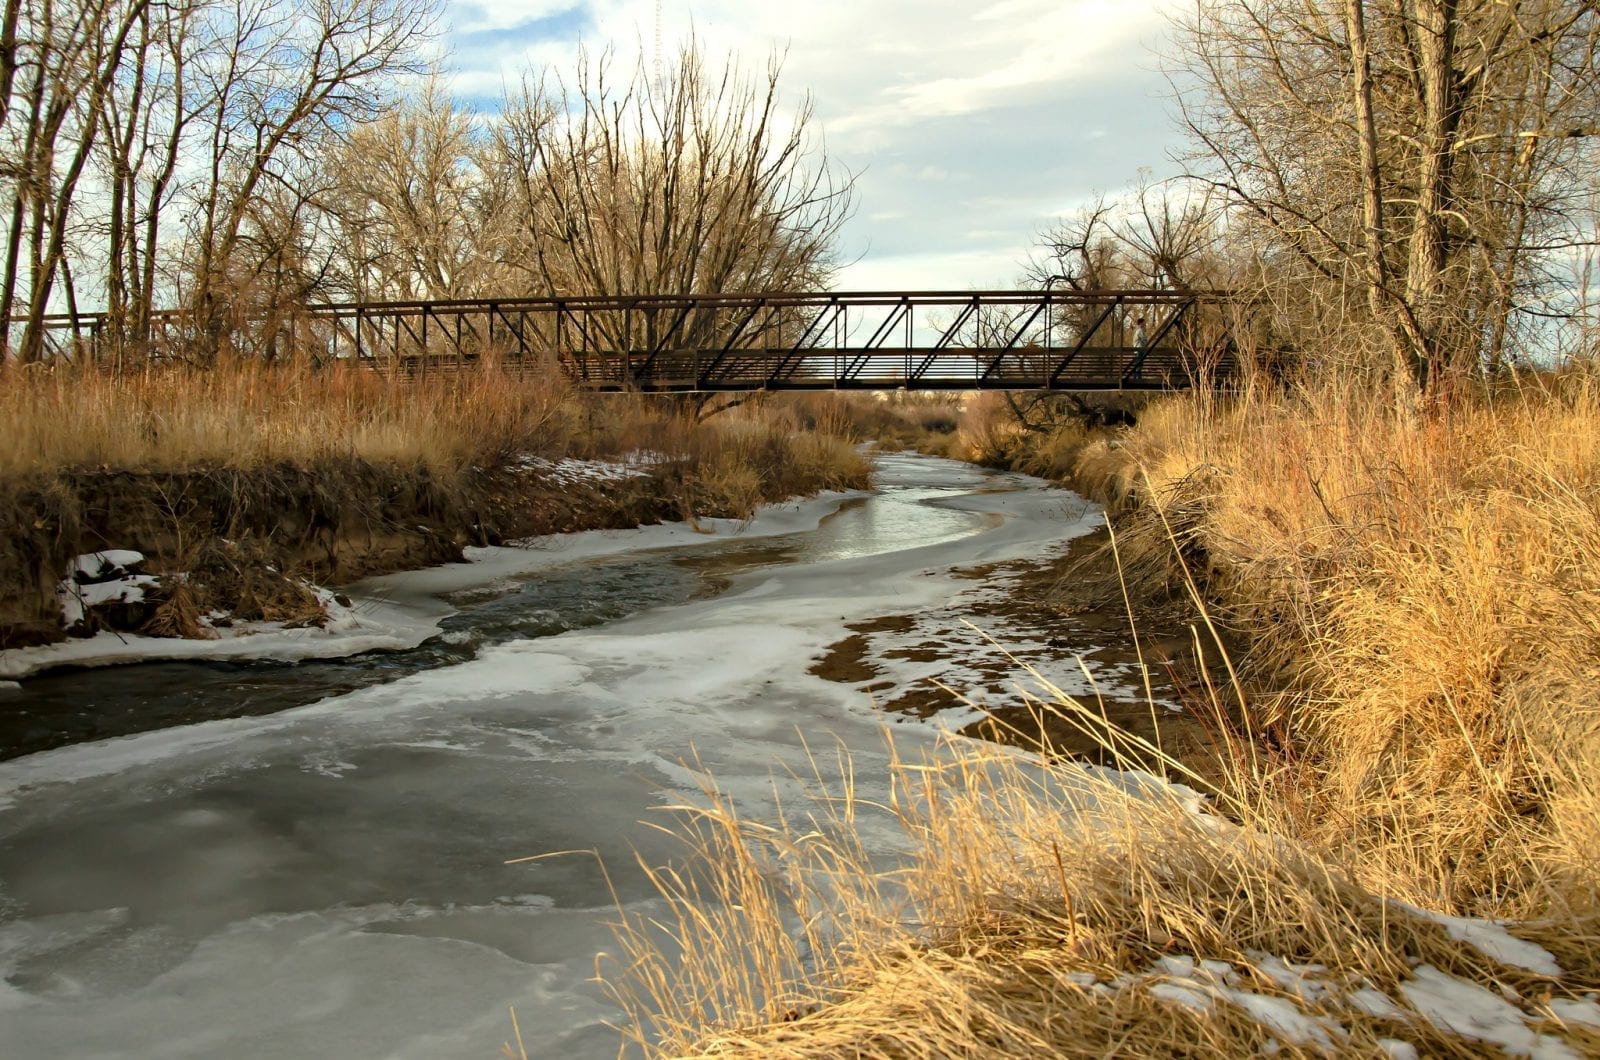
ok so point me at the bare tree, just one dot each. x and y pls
(694, 182)
(144, 121)
(220, 105)
(421, 210)
(1414, 160)
(286, 78)
(73, 51)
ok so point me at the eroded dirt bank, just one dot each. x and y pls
(248, 541)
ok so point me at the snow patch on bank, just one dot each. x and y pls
(366, 626)
(1311, 1003)
(96, 579)
(572, 471)
(1491, 939)
(1468, 1010)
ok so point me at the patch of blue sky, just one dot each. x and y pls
(488, 54)
(476, 26)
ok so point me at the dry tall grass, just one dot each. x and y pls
(1417, 732)
(1051, 910)
(246, 414)
(1422, 593)
(926, 422)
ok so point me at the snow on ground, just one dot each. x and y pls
(107, 563)
(1490, 939)
(1306, 1011)
(95, 579)
(76, 600)
(1201, 985)
(1474, 1012)
(991, 663)
(1584, 1013)
(571, 470)
(369, 625)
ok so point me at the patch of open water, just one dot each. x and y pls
(75, 706)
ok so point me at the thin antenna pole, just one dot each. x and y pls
(658, 47)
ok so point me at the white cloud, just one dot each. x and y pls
(969, 124)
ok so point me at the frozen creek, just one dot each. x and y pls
(329, 880)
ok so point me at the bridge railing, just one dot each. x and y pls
(1054, 339)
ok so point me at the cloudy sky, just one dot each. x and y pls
(970, 125)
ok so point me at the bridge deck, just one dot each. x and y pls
(914, 368)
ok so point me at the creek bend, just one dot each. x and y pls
(309, 860)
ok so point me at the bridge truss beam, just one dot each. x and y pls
(919, 340)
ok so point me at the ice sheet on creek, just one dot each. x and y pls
(330, 880)
(552, 586)
(400, 611)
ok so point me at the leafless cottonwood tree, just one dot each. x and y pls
(1167, 234)
(419, 209)
(695, 181)
(118, 113)
(68, 53)
(288, 79)
(1409, 162)
(1163, 235)
(250, 155)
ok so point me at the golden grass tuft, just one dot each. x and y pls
(1422, 597)
(1040, 909)
(1415, 728)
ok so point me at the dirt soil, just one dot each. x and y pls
(247, 540)
(1067, 609)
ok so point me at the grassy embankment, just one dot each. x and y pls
(339, 473)
(1414, 721)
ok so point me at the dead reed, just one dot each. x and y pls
(1422, 597)
(1412, 738)
(246, 414)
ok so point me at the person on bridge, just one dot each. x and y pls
(1139, 338)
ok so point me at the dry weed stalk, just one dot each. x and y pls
(1420, 594)
(1030, 914)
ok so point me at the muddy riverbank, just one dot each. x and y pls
(1145, 667)
(243, 539)
(225, 545)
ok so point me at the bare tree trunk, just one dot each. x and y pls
(8, 55)
(49, 245)
(1435, 29)
(28, 187)
(1372, 219)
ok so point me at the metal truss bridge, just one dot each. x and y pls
(925, 340)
